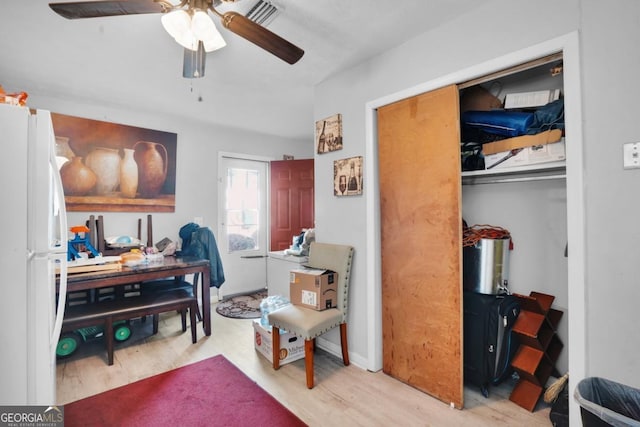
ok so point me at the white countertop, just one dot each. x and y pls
(291, 258)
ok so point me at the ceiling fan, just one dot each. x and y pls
(190, 24)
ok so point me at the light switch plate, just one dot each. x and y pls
(631, 155)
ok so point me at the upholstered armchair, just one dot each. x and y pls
(308, 323)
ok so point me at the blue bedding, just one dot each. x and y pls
(499, 122)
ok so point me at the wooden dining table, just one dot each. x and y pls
(169, 267)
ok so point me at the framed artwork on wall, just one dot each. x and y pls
(329, 134)
(347, 176)
(111, 167)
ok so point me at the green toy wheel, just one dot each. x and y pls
(68, 344)
(122, 333)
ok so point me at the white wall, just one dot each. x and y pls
(196, 164)
(611, 65)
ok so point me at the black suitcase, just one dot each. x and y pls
(489, 345)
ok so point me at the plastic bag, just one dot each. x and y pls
(270, 304)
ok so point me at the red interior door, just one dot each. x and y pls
(292, 200)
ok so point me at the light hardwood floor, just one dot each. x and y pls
(342, 395)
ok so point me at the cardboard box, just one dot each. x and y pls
(526, 156)
(508, 144)
(313, 288)
(531, 99)
(291, 346)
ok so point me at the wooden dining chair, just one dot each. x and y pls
(97, 227)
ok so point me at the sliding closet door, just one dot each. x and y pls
(420, 198)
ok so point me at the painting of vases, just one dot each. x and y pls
(113, 167)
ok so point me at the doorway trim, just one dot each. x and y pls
(569, 45)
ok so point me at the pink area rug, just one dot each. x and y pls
(212, 392)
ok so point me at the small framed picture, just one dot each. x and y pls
(347, 176)
(329, 134)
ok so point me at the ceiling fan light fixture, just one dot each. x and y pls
(176, 23)
(202, 26)
(204, 29)
(190, 29)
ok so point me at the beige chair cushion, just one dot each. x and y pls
(305, 322)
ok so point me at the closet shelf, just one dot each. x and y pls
(539, 172)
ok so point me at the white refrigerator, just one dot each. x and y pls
(34, 244)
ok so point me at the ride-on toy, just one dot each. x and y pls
(70, 341)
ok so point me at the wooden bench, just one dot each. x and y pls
(163, 285)
(153, 303)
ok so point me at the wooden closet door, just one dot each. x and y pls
(421, 235)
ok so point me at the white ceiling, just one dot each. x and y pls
(130, 61)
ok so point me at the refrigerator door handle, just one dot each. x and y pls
(62, 300)
(59, 203)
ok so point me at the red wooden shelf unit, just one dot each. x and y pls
(539, 347)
